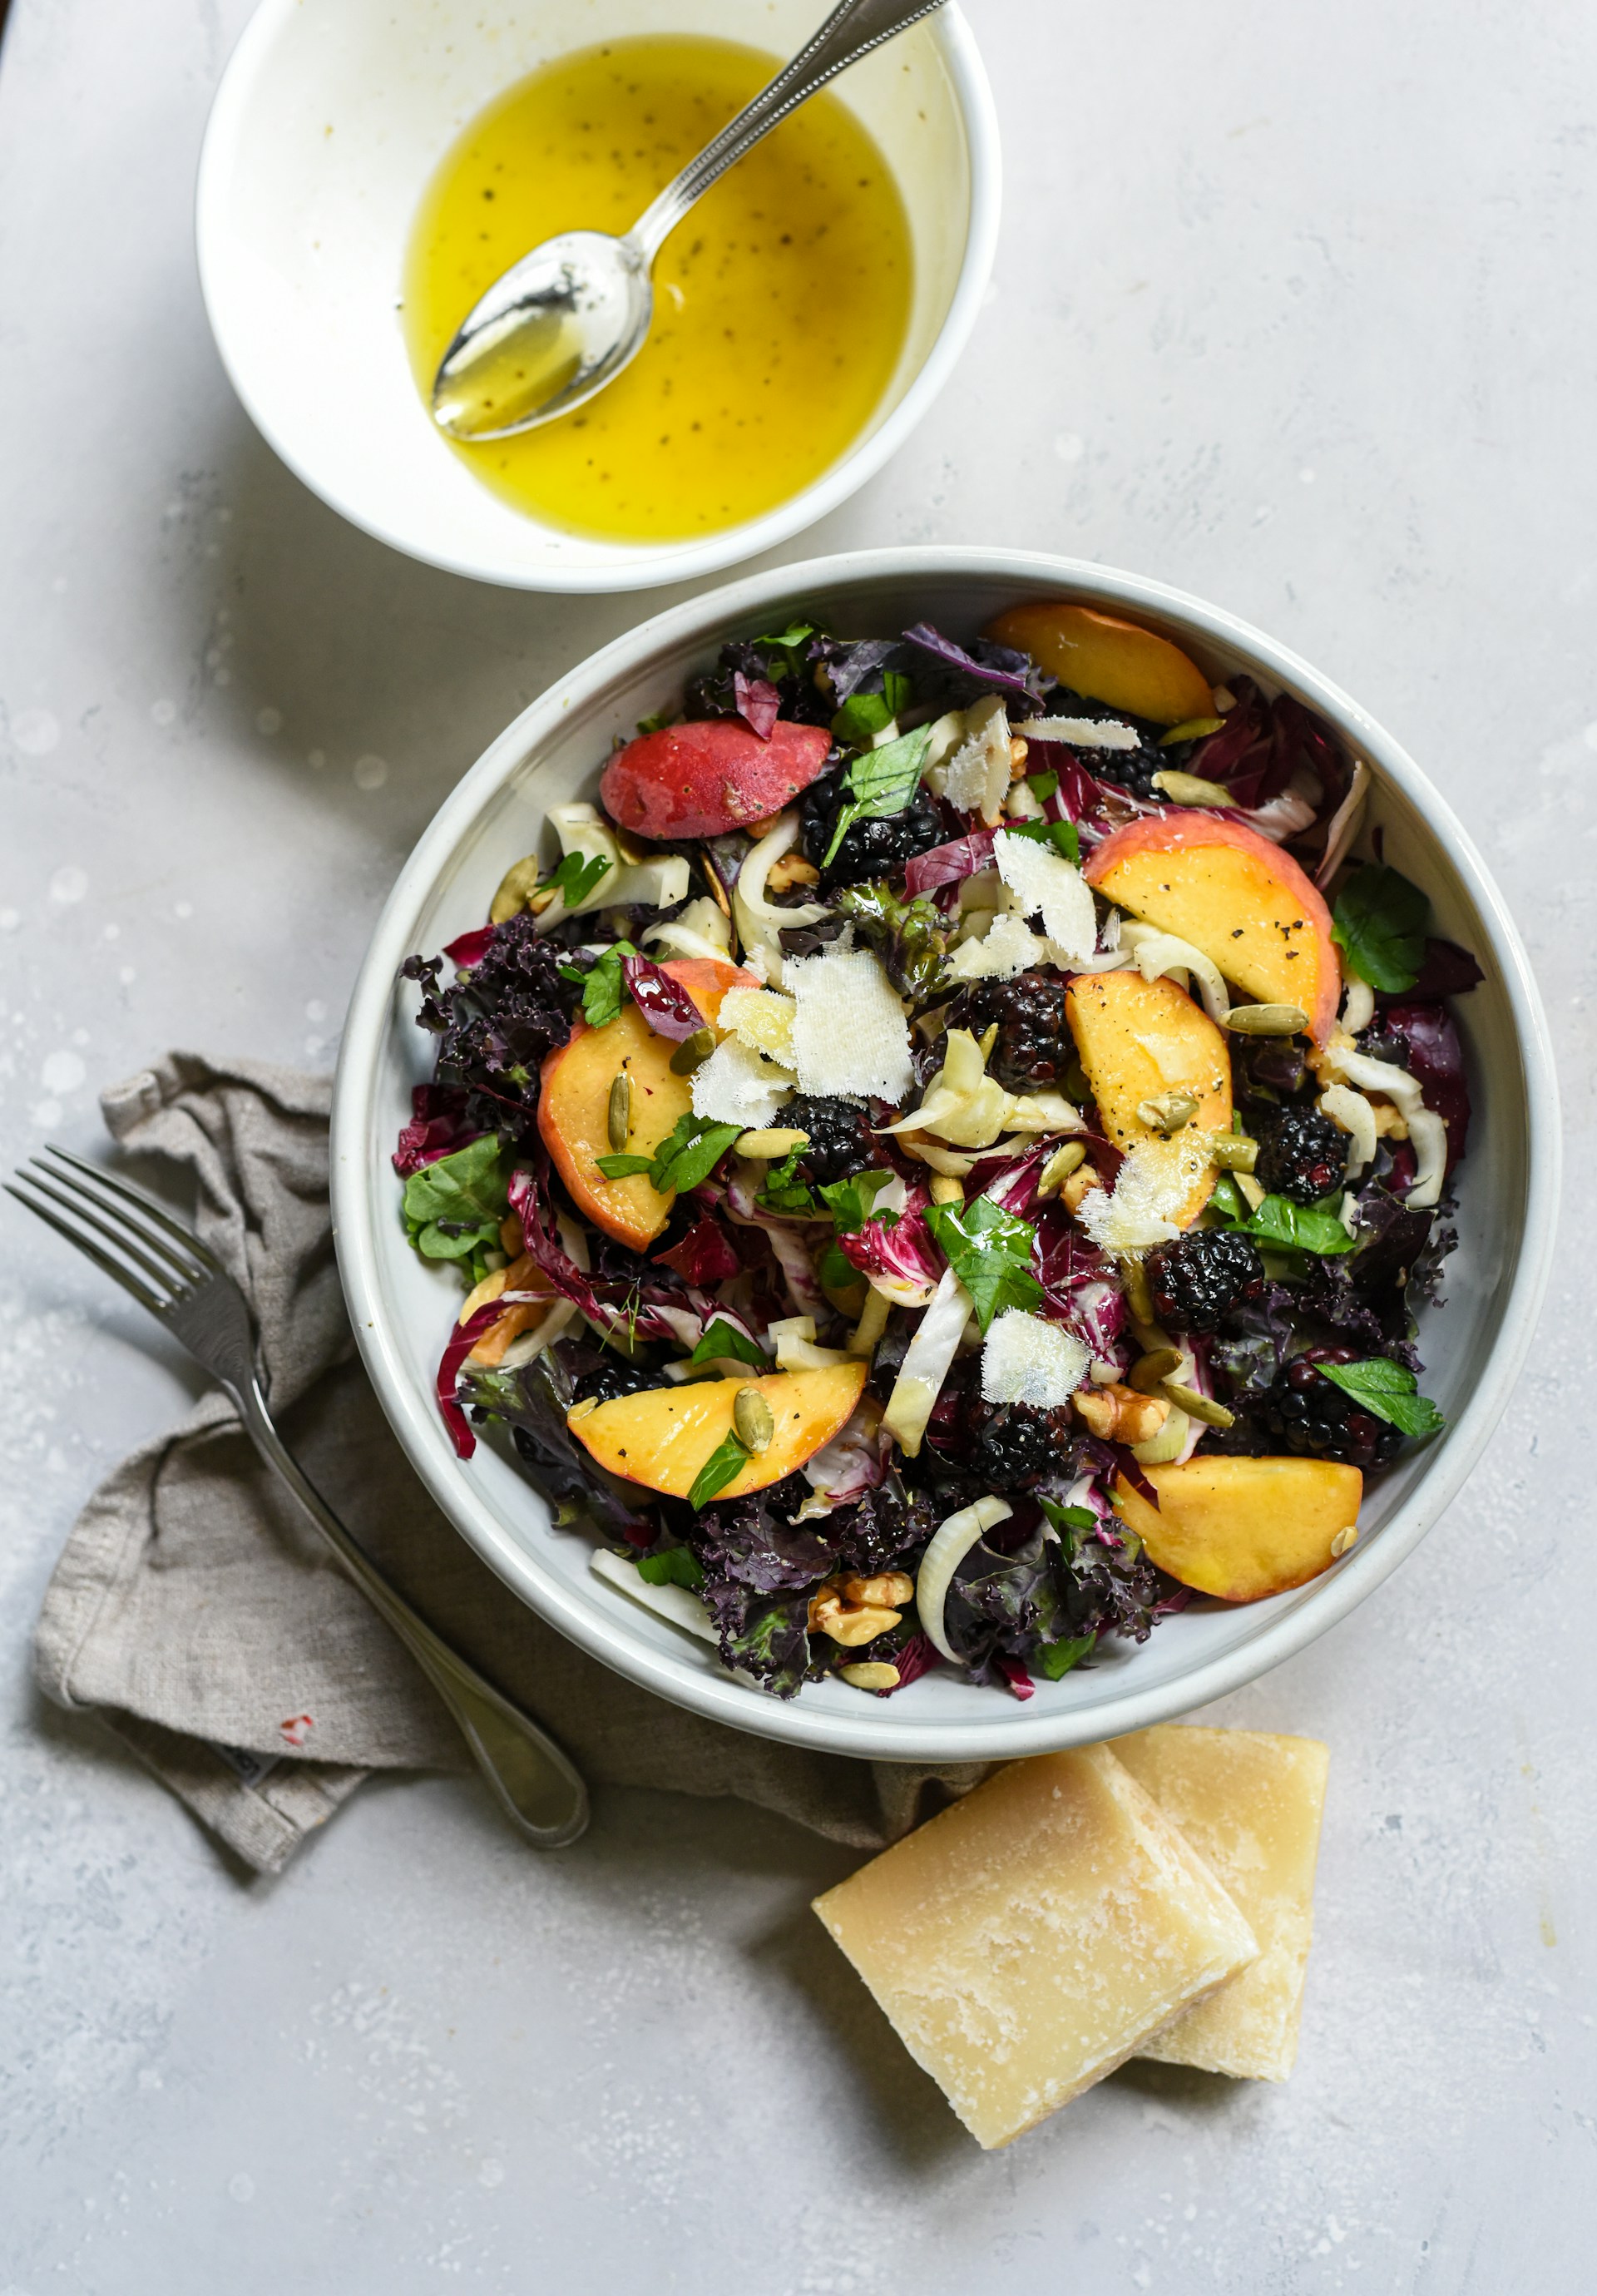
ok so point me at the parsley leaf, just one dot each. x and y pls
(1068, 1519)
(723, 1339)
(1380, 921)
(680, 1163)
(1042, 785)
(864, 715)
(1062, 835)
(658, 723)
(880, 783)
(1280, 1223)
(781, 1190)
(1388, 1391)
(836, 1272)
(989, 1250)
(576, 877)
(726, 1462)
(849, 1201)
(677, 1566)
(453, 1206)
(603, 984)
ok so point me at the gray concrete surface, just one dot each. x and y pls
(1292, 308)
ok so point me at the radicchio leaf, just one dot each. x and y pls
(950, 864)
(437, 1128)
(664, 1003)
(705, 1255)
(756, 702)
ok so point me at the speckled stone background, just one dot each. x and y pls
(1292, 308)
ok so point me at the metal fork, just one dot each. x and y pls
(167, 1270)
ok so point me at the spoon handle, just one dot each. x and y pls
(852, 30)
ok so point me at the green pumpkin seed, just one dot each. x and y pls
(1267, 1019)
(1058, 1168)
(1196, 1406)
(1190, 789)
(1167, 1112)
(617, 1121)
(1192, 729)
(751, 1419)
(1234, 1151)
(692, 1052)
(1149, 1375)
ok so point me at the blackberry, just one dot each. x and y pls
(840, 1140)
(1011, 1445)
(1302, 1156)
(1132, 770)
(1196, 1278)
(612, 1377)
(1033, 1048)
(872, 849)
(1311, 1415)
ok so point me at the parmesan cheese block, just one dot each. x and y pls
(1249, 1805)
(1036, 1935)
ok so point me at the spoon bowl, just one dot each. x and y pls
(551, 331)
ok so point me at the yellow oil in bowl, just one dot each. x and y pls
(780, 302)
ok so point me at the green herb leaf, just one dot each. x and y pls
(623, 1168)
(691, 1153)
(604, 985)
(910, 936)
(1229, 1201)
(1388, 1392)
(794, 634)
(836, 1271)
(849, 1201)
(677, 1566)
(880, 783)
(658, 723)
(723, 1339)
(726, 1462)
(1067, 1518)
(781, 1190)
(452, 1208)
(1288, 1226)
(860, 720)
(575, 877)
(1053, 1660)
(1043, 785)
(1062, 835)
(989, 1250)
(1379, 921)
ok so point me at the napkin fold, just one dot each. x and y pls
(200, 1616)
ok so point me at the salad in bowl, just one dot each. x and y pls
(946, 1156)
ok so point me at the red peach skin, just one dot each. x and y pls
(698, 779)
(1242, 900)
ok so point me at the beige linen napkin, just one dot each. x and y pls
(197, 1612)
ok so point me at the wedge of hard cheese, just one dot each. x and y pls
(1249, 1805)
(1036, 1935)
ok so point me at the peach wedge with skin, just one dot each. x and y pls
(1243, 1529)
(1108, 660)
(574, 1103)
(1242, 900)
(1138, 1039)
(663, 1437)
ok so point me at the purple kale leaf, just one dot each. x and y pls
(495, 1025)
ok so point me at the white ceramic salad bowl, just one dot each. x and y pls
(401, 1307)
(329, 119)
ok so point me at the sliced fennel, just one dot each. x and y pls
(945, 1550)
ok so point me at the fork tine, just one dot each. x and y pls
(150, 1206)
(86, 1207)
(102, 1261)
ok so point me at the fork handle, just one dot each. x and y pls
(535, 1785)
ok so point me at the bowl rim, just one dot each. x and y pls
(1010, 1731)
(683, 563)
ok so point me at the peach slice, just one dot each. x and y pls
(574, 1102)
(662, 1437)
(708, 775)
(1243, 1529)
(1107, 659)
(1139, 1039)
(1242, 900)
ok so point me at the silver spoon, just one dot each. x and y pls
(564, 321)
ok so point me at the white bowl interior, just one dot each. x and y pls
(1473, 1349)
(331, 119)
